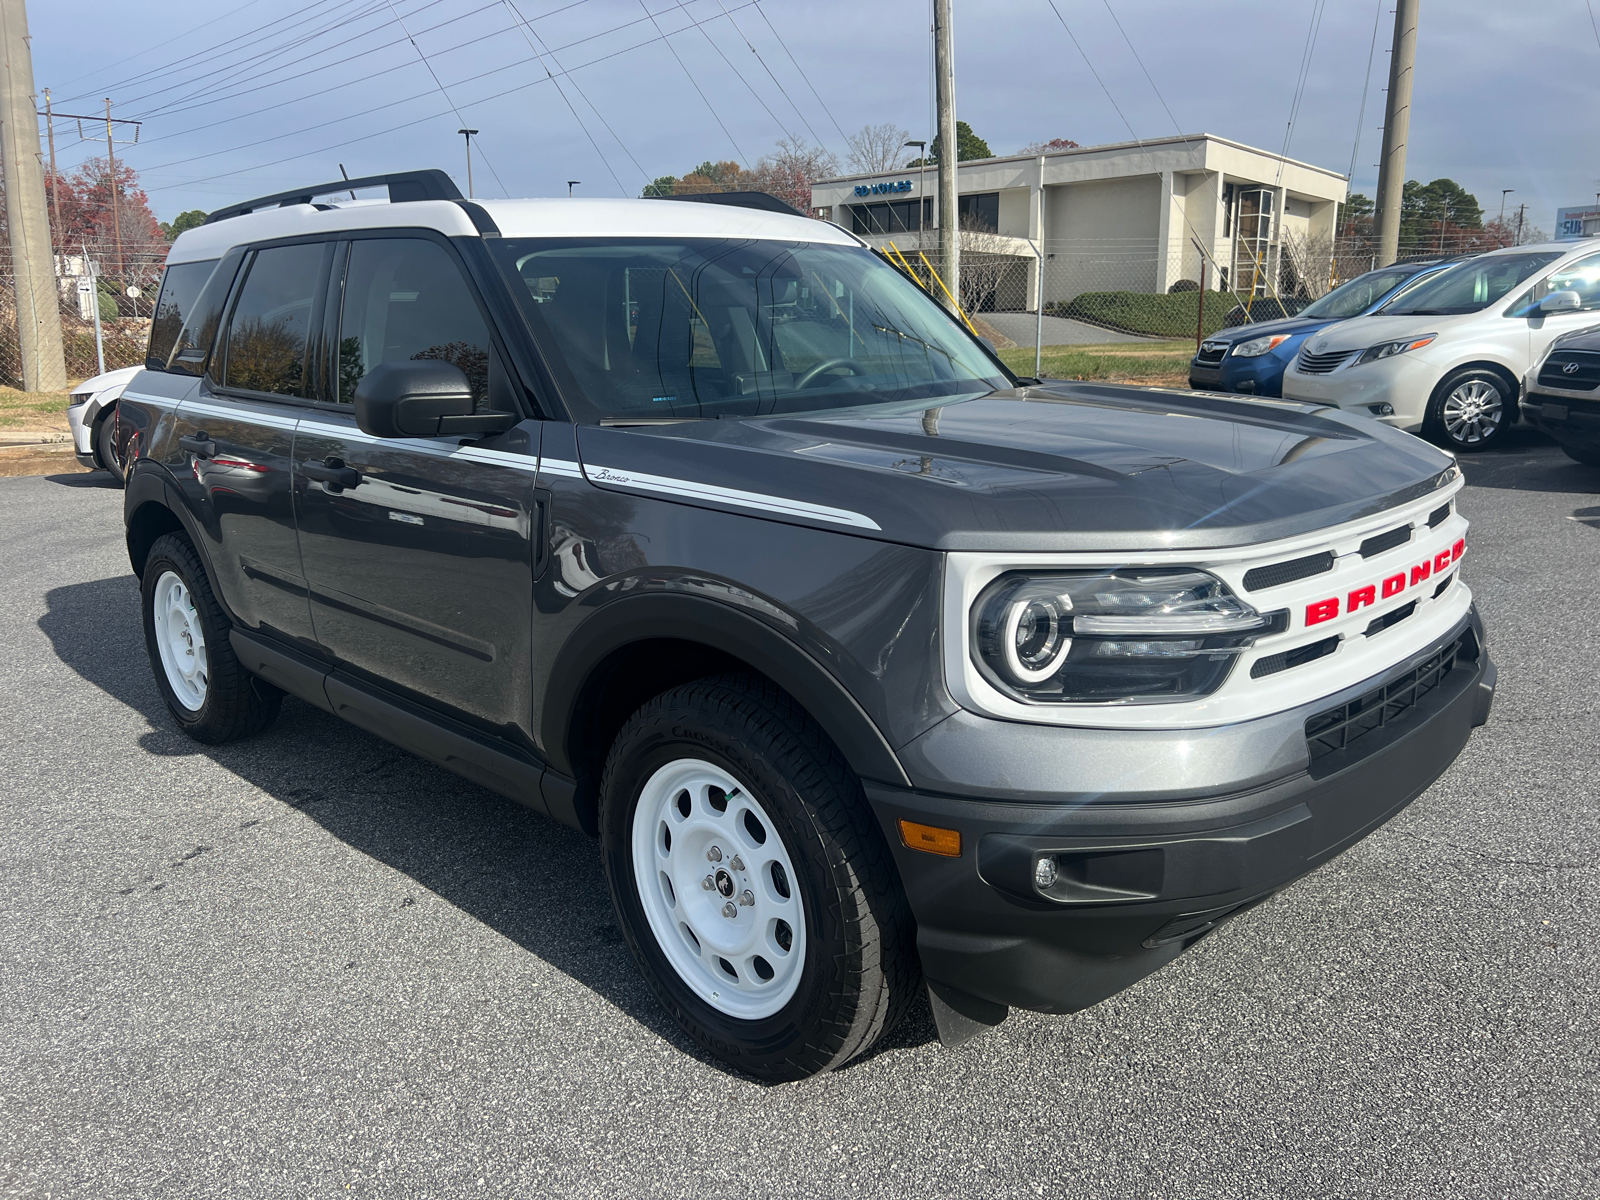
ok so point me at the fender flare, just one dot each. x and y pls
(725, 628)
(150, 484)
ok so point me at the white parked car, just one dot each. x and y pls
(91, 413)
(1447, 358)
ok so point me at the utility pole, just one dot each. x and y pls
(1396, 130)
(38, 305)
(116, 216)
(55, 184)
(1521, 211)
(944, 73)
(467, 133)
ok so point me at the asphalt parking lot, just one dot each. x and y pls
(310, 964)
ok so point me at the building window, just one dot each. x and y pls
(896, 216)
(981, 208)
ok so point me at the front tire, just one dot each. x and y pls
(105, 445)
(750, 881)
(209, 693)
(1471, 410)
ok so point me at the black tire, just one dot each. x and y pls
(236, 704)
(1496, 409)
(1589, 456)
(105, 445)
(860, 969)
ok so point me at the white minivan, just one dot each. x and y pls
(1447, 358)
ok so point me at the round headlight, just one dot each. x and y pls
(1035, 637)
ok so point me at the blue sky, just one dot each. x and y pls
(233, 110)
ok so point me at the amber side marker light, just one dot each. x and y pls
(931, 838)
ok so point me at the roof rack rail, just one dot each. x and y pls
(759, 200)
(403, 186)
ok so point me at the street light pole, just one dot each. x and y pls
(1504, 192)
(467, 133)
(922, 175)
(572, 183)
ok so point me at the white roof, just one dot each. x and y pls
(516, 218)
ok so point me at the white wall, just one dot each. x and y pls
(1103, 236)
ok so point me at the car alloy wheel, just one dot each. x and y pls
(181, 641)
(718, 889)
(1473, 412)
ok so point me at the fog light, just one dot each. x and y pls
(1044, 873)
(1381, 410)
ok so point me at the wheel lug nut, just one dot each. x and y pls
(728, 910)
(736, 863)
(708, 883)
(714, 854)
(747, 898)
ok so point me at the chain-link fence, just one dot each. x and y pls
(89, 277)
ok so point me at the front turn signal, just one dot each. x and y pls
(931, 838)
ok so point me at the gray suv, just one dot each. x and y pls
(879, 672)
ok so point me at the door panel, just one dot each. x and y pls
(236, 440)
(419, 551)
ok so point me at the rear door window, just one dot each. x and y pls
(272, 320)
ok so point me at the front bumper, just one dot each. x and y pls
(1570, 419)
(82, 433)
(1205, 377)
(1142, 880)
(1404, 382)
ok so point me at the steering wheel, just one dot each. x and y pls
(827, 364)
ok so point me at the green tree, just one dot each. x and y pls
(662, 185)
(968, 146)
(184, 220)
(1430, 212)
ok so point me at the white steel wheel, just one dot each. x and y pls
(718, 889)
(181, 641)
(1472, 412)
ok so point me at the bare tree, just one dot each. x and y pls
(878, 148)
(987, 259)
(790, 170)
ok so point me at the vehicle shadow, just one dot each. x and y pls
(1528, 461)
(528, 878)
(85, 479)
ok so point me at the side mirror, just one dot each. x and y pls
(421, 398)
(1564, 301)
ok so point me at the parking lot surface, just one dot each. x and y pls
(310, 965)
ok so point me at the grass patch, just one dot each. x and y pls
(1116, 362)
(33, 410)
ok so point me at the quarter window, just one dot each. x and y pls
(404, 299)
(180, 289)
(266, 349)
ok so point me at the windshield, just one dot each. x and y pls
(685, 328)
(1469, 287)
(1361, 293)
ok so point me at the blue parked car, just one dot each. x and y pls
(1251, 358)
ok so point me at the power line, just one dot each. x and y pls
(695, 84)
(162, 44)
(528, 36)
(444, 93)
(1366, 82)
(801, 69)
(1318, 7)
(1592, 23)
(1092, 71)
(798, 111)
(705, 33)
(1112, 13)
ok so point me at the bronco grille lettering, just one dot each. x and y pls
(1326, 610)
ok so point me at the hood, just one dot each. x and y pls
(1360, 332)
(1061, 467)
(1245, 333)
(1579, 339)
(121, 377)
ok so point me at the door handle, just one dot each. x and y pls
(332, 472)
(198, 444)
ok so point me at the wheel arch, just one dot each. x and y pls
(637, 647)
(1512, 380)
(152, 507)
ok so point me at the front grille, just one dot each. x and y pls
(1379, 542)
(1378, 624)
(1278, 574)
(1439, 516)
(1443, 585)
(1320, 364)
(1273, 663)
(1211, 353)
(1389, 703)
(1584, 377)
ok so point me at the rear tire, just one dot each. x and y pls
(105, 445)
(209, 693)
(1471, 410)
(817, 959)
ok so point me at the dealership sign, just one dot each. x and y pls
(878, 189)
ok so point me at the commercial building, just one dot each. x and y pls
(1580, 221)
(1134, 216)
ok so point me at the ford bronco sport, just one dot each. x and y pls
(699, 527)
